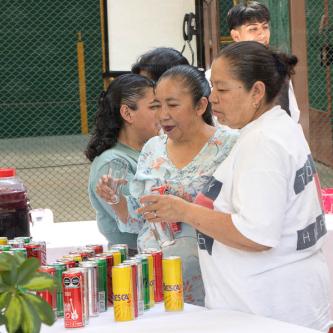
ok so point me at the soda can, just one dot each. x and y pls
(47, 295)
(109, 264)
(123, 250)
(16, 243)
(23, 239)
(145, 280)
(123, 306)
(20, 250)
(67, 262)
(3, 240)
(134, 266)
(34, 250)
(102, 287)
(98, 248)
(116, 256)
(173, 284)
(42, 252)
(5, 247)
(59, 269)
(92, 299)
(139, 286)
(125, 246)
(85, 254)
(151, 276)
(158, 287)
(74, 305)
(76, 256)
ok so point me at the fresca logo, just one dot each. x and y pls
(171, 287)
(72, 282)
(121, 297)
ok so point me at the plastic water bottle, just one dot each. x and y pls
(14, 205)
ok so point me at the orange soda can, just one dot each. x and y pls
(122, 286)
(173, 284)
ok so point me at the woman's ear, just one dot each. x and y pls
(258, 92)
(126, 113)
(201, 106)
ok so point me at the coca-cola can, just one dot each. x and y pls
(49, 296)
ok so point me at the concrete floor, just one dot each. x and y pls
(55, 172)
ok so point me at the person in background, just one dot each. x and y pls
(184, 158)
(155, 62)
(251, 21)
(262, 227)
(124, 122)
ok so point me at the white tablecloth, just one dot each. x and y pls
(193, 319)
(64, 237)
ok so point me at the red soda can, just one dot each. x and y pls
(68, 262)
(157, 259)
(98, 248)
(133, 264)
(34, 250)
(85, 253)
(43, 252)
(109, 263)
(49, 296)
(74, 306)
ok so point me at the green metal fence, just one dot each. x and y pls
(41, 117)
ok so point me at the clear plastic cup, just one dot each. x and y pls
(117, 173)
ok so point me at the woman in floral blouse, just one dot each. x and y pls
(183, 159)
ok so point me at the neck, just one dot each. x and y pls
(131, 139)
(263, 108)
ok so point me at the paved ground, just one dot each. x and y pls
(55, 171)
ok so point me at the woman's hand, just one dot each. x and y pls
(107, 192)
(163, 208)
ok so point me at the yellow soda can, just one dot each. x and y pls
(3, 240)
(151, 278)
(173, 284)
(116, 256)
(123, 302)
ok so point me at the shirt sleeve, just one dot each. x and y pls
(260, 191)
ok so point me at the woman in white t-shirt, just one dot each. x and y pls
(261, 231)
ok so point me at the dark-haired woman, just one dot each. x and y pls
(261, 231)
(183, 159)
(124, 122)
(155, 62)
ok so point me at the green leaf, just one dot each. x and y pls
(2, 319)
(6, 262)
(4, 299)
(40, 282)
(30, 319)
(9, 276)
(27, 270)
(13, 314)
(19, 257)
(44, 310)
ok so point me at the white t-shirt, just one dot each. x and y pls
(269, 185)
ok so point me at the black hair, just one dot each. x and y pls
(126, 89)
(247, 13)
(250, 61)
(155, 62)
(197, 84)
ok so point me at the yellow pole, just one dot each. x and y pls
(102, 12)
(82, 84)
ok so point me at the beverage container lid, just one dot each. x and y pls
(7, 172)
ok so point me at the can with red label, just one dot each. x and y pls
(98, 248)
(49, 296)
(73, 288)
(86, 253)
(34, 250)
(158, 271)
(68, 262)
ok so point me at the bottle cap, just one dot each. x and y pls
(7, 172)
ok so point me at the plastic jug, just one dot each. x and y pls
(14, 205)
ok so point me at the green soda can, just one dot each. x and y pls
(5, 247)
(59, 268)
(102, 286)
(145, 280)
(24, 239)
(122, 249)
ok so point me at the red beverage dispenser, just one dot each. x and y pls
(14, 206)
